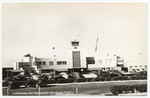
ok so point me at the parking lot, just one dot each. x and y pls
(83, 88)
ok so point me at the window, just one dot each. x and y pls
(76, 59)
(141, 66)
(108, 61)
(27, 65)
(112, 68)
(38, 63)
(50, 62)
(146, 67)
(61, 62)
(75, 47)
(135, 66)
(100, 61)
(108, 68)
(75, 43)
(102, 68)
(143, 69)
(44, 63)
(130, 67)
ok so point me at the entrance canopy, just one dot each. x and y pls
(70, 70)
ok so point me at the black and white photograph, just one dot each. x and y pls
(74, 49)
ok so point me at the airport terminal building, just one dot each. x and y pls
(76, 60)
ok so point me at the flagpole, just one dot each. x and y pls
(96, 55)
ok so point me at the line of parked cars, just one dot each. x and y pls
(44, 79)
(33, 79)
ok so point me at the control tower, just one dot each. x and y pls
(78, 59)
(76, 54)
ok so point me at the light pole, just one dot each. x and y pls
(54, 61)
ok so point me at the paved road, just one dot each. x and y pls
(86, 88)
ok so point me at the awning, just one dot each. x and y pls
(44, 67)
(93, 68)
(77, 68)
(61, 69)
(16, 70)
(29, 68)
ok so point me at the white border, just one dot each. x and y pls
(9, 1)
(46, 1)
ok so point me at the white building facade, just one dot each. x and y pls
(137, 66)
(76, 58)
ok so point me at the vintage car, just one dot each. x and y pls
(90, 75)
(16, 81)
(77, 77)
(63, 74)
(39, 80)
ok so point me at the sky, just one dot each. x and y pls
(37, 27)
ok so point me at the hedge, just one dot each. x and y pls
(118, 89)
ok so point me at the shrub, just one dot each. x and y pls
(51, 81)
(115, 78)
(83, 80)
(102, 78)
(88, 79)
(118, 89)
(115, 90)
(125, 78)
(97, 79)
(107, 79)
(143, 76)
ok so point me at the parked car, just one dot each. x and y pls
(77, 77)
(142, 73)
(111, 75)
(65, 75)
(16, 81)
(59, 79)
(90, 75)
(37, 80)
(48, 77)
